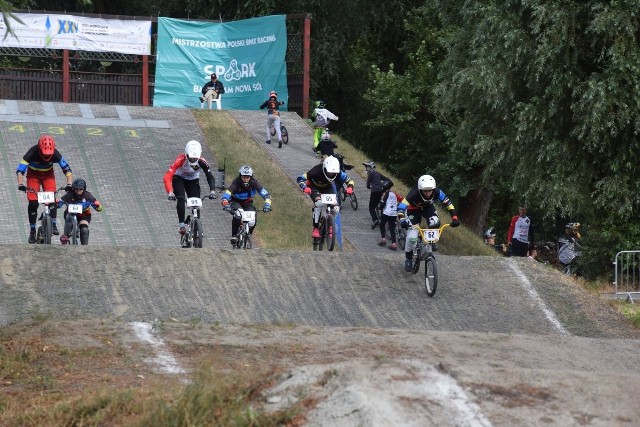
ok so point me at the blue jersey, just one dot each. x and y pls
(237, 192)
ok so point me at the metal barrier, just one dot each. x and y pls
(627, 274)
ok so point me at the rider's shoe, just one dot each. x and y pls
(375, 224)
(32, 236)
(280, 144)
(233, 240)
(434, 247)
(393, 247)
(201, 98)
(183, 230)
(408, 265)
(315, 233)
(54, 230)
(64, 240)
(382, 242)
(268, 141)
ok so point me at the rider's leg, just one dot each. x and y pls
(179, 191)
(268, 128)
(276, 123)
(84, 234)
(32, 210)
(236, 222)
(68, 224)
(83, 223)
(33, 181)
(374, 200)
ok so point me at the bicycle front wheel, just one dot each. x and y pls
(272, 129)
(47, 230)
(323, 233)
(75, 240)
(196, 232)
(354, 201)
(247, 242)
(401, 236)
(285, 134)
(331, 232)
(430, 275)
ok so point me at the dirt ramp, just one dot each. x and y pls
(325, 289)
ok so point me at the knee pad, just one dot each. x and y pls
(84, 234)
(433, 221)
(32, 209)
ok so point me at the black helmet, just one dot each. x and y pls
(79, 184)
(386, 185)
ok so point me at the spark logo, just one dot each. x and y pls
(235, 71)
(67, 27)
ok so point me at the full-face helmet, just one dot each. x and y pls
(331, 168)
(47, 147)
(193, 151)
(246, 170)
(426, 182)
(79, 184)
(319, 103)
(369, 165)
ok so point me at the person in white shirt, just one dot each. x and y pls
(520, 235)
(389, 207)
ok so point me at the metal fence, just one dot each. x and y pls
(627, 274)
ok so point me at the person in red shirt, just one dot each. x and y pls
(520, 235)
(182, 180)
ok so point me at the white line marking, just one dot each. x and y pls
(536, 297)
(163, 357)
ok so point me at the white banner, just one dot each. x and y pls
(72, 32)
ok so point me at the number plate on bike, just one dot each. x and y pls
(431, 235)
(248, 216)
(46, 197)
(194, 202)
(75, 208)
(329, 199)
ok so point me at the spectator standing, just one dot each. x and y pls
(212, 90)
(374, 183)
(389, 208)
(520, 237)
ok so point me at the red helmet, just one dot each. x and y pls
(47, 146)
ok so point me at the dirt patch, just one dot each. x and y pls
(343, 376)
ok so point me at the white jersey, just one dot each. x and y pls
(391, 206)
(521, 229)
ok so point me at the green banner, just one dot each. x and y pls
(248, 57)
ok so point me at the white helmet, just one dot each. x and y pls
(331, 165)
(426, 182)
(193, 150)
(246, 170)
